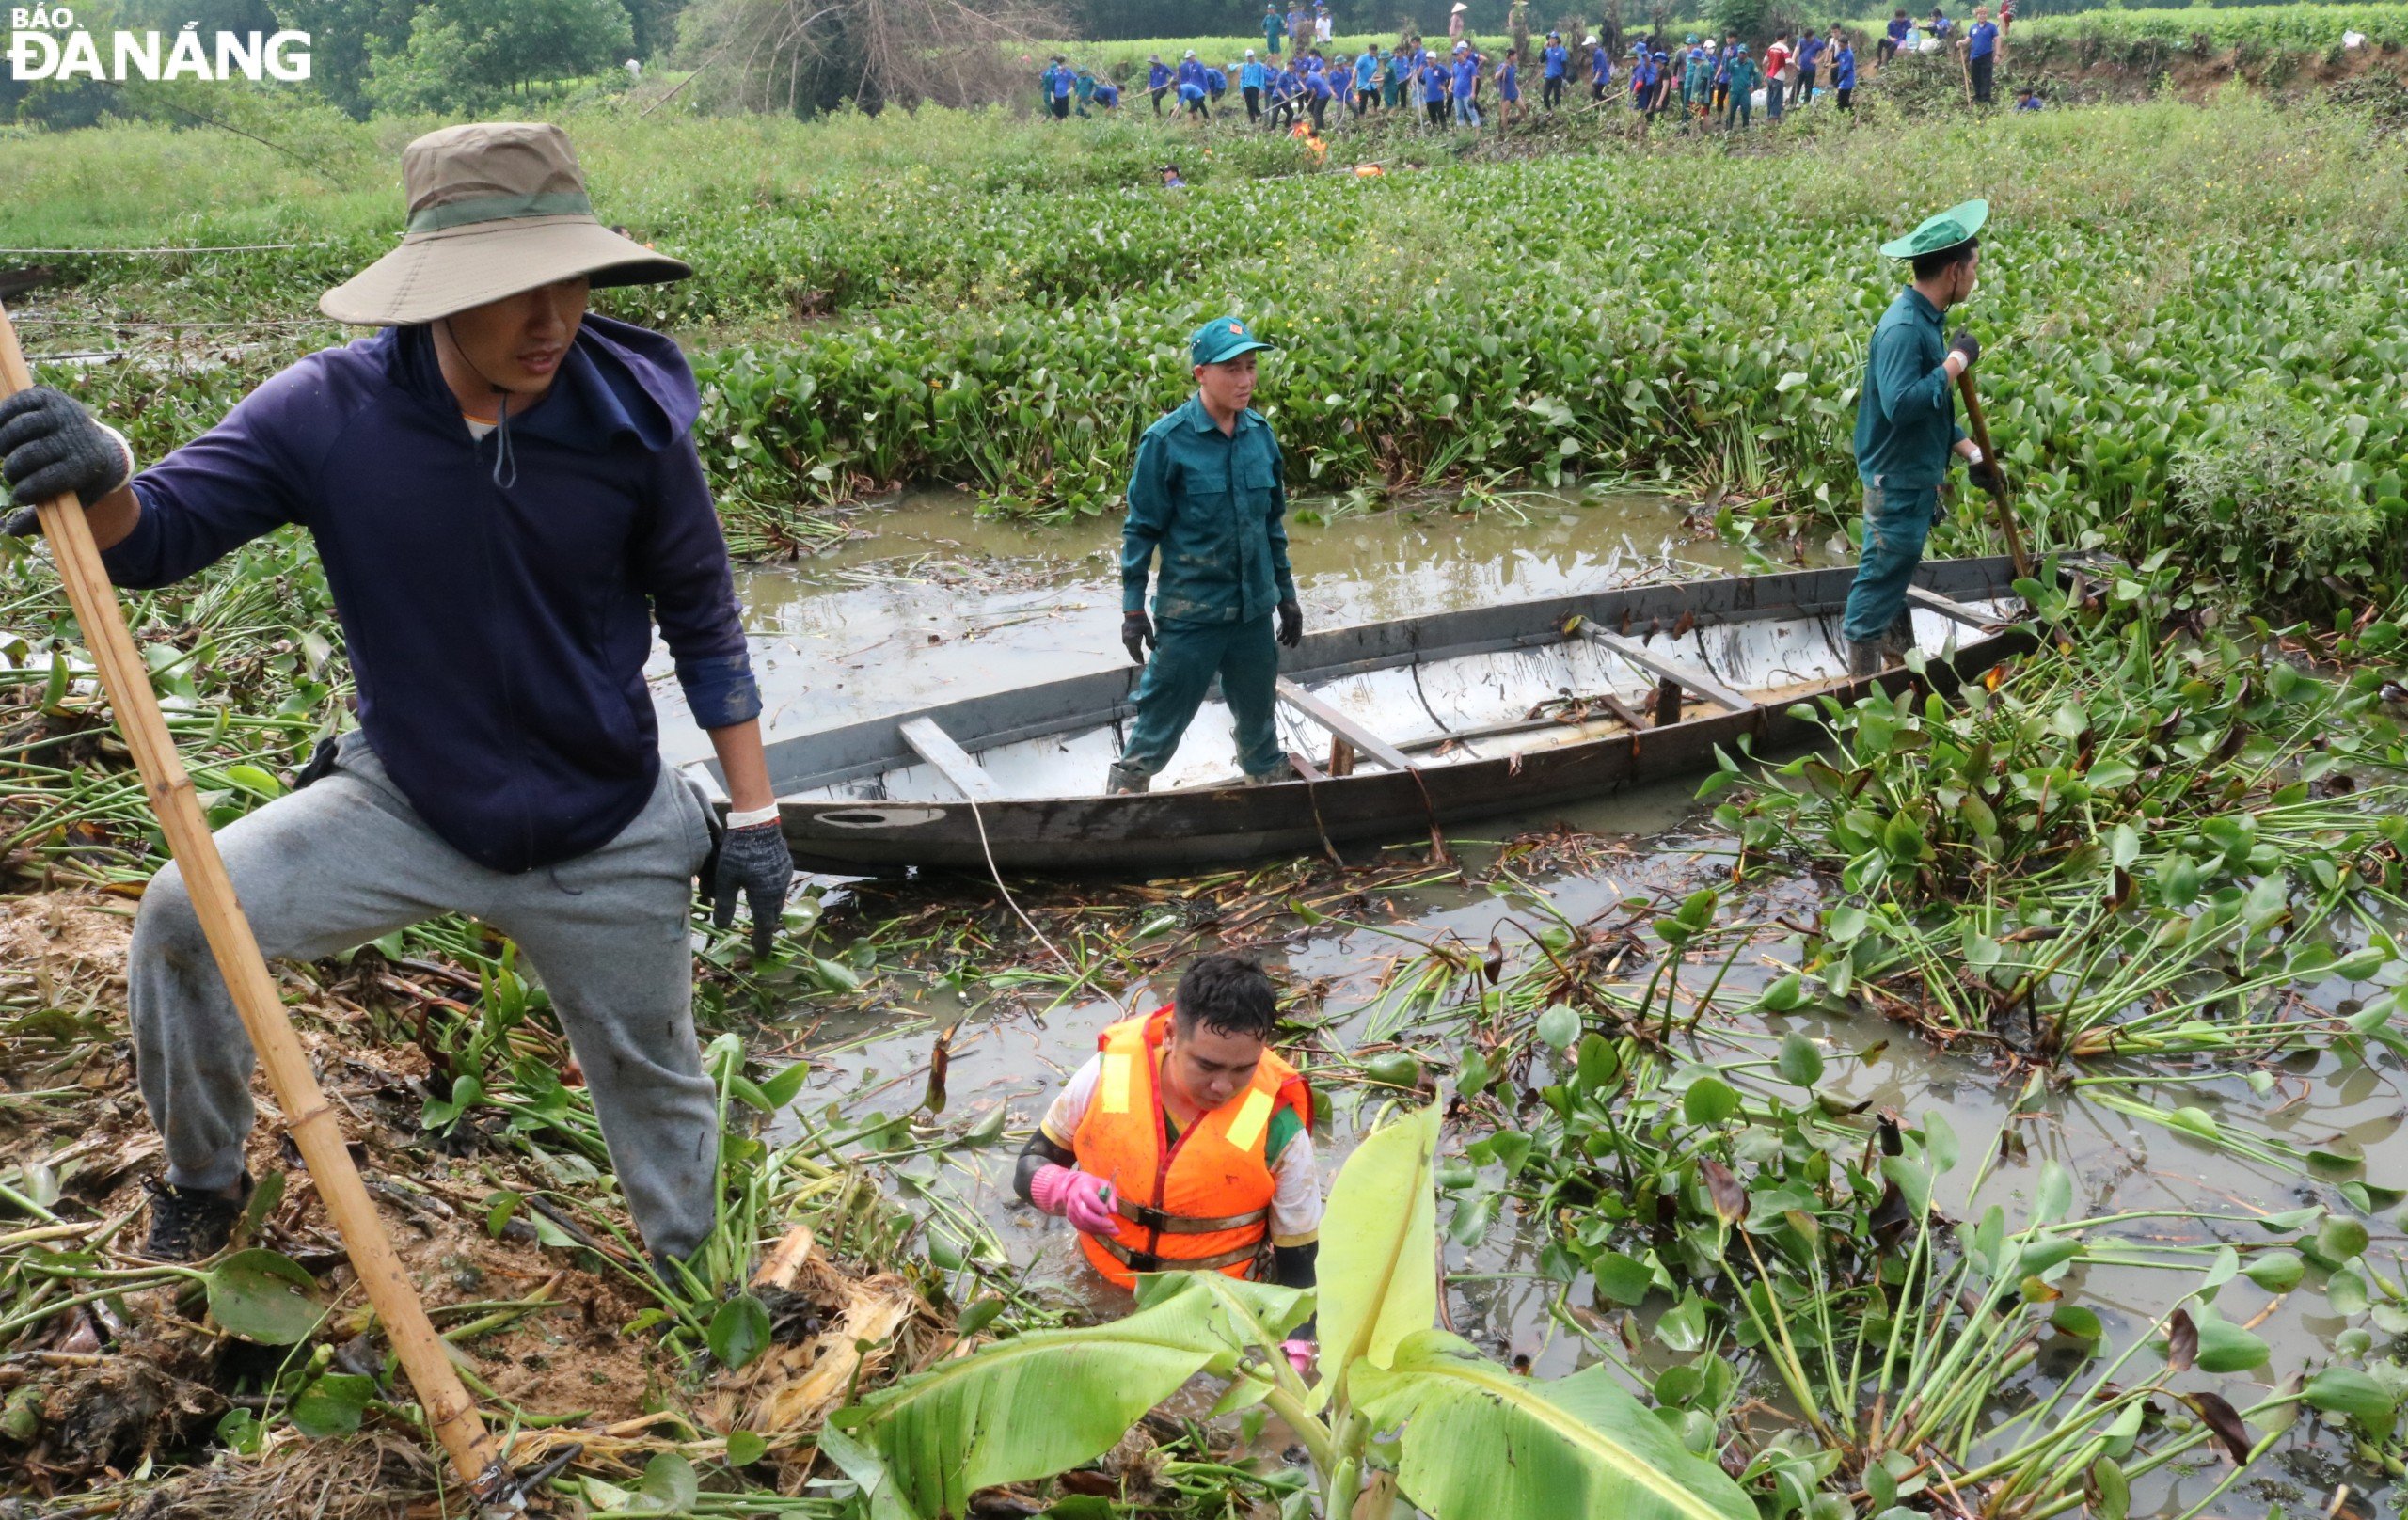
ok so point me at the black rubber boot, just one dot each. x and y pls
(1864, 658)
(1120, 781)
(187, 1224)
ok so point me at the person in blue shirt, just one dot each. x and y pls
(1465, 72)
(1981, 55)
(1083, 84)
(1279, 96)
(1367, 80)
(1318, 93)
(1896, 34)
(1905, 428)
(1555, 63)
(1275, 26)
(1191, 96)
(1433, 90)
(1252, 79)
(1190, 71)
(1158, 80)
(1941, 25)
(2027, 99)
(1398, 68)
(1299, 29)
(1601, 69)
(1216, 84)
(1842, 69)
(1809, 56)
(1642, 80)
(1107, 95)
(1061, 80)
(1722, 61)
(1509, 85)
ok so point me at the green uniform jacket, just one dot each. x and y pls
(1213, 503)
(1905, 416)
(1744, 77)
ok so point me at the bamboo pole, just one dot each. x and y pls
(2005, 510)
(311, 1122)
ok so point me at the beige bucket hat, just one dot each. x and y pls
(495, 208)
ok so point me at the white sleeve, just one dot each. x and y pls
(1295, 1196)
(1069, 1106)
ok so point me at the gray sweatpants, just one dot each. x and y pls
(347, 859)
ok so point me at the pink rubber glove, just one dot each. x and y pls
(1082, 1197)
(1300, 1355)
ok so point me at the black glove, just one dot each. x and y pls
(1136, 632)
(49, 446)
(1292, 624)
(1967, 344)
(1986, 475)
(754, 860)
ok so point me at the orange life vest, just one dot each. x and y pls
(1200, 1203)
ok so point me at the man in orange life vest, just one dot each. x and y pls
(1185, 1142)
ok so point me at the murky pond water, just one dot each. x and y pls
(931, 603)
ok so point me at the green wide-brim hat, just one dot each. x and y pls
(1957, 223)
(496, 209)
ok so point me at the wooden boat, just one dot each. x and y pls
(1411, 726)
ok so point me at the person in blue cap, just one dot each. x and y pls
(1905, 427)
(1555, 62)
(1208, 494)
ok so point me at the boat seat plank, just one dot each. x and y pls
(1688, 675)
(1973, 617)
(953, 762)
(1345, 727)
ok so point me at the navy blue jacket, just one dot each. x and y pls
(497, 634)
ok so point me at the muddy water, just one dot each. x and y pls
(1010, 603)
(928, 603)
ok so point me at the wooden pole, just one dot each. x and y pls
(310, 1121)
(2005, 510)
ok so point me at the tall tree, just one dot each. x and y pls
(466, 55)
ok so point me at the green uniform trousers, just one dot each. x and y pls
(1895, 525)
(1185, 658)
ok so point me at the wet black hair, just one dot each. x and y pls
(1228, 994)
(1941, 259)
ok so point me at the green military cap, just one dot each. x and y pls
(1957, 223)
(1222, 340)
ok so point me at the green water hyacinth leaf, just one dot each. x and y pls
(2225, 1347)
(264, 1296)
(1480, 1443)
(1558, 1027)
(1709, 1100)
(1799, 1063)
(2277, 1271)
(332, 1405)
(2340, 1239)
(739, 1329)
(2345, 1390)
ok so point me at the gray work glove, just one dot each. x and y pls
(1292, 624)
(754, 861)
(50, 445)
(1136, 632)
(1967, 344)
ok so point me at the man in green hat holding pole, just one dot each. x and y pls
(1905, 427)
(1209, 493)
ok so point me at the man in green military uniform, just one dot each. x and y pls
(1905, 428)
(1208, 492)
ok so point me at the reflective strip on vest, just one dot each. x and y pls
(1115, 1083)
(1254, 1117)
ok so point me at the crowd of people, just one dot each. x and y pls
(1298, 78)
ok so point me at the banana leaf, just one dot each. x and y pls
(1482, 1443)
(1379, 1245)
(1043, 1403)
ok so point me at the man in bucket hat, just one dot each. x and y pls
(1905, 428)
(1209, 491)
(505, 498)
